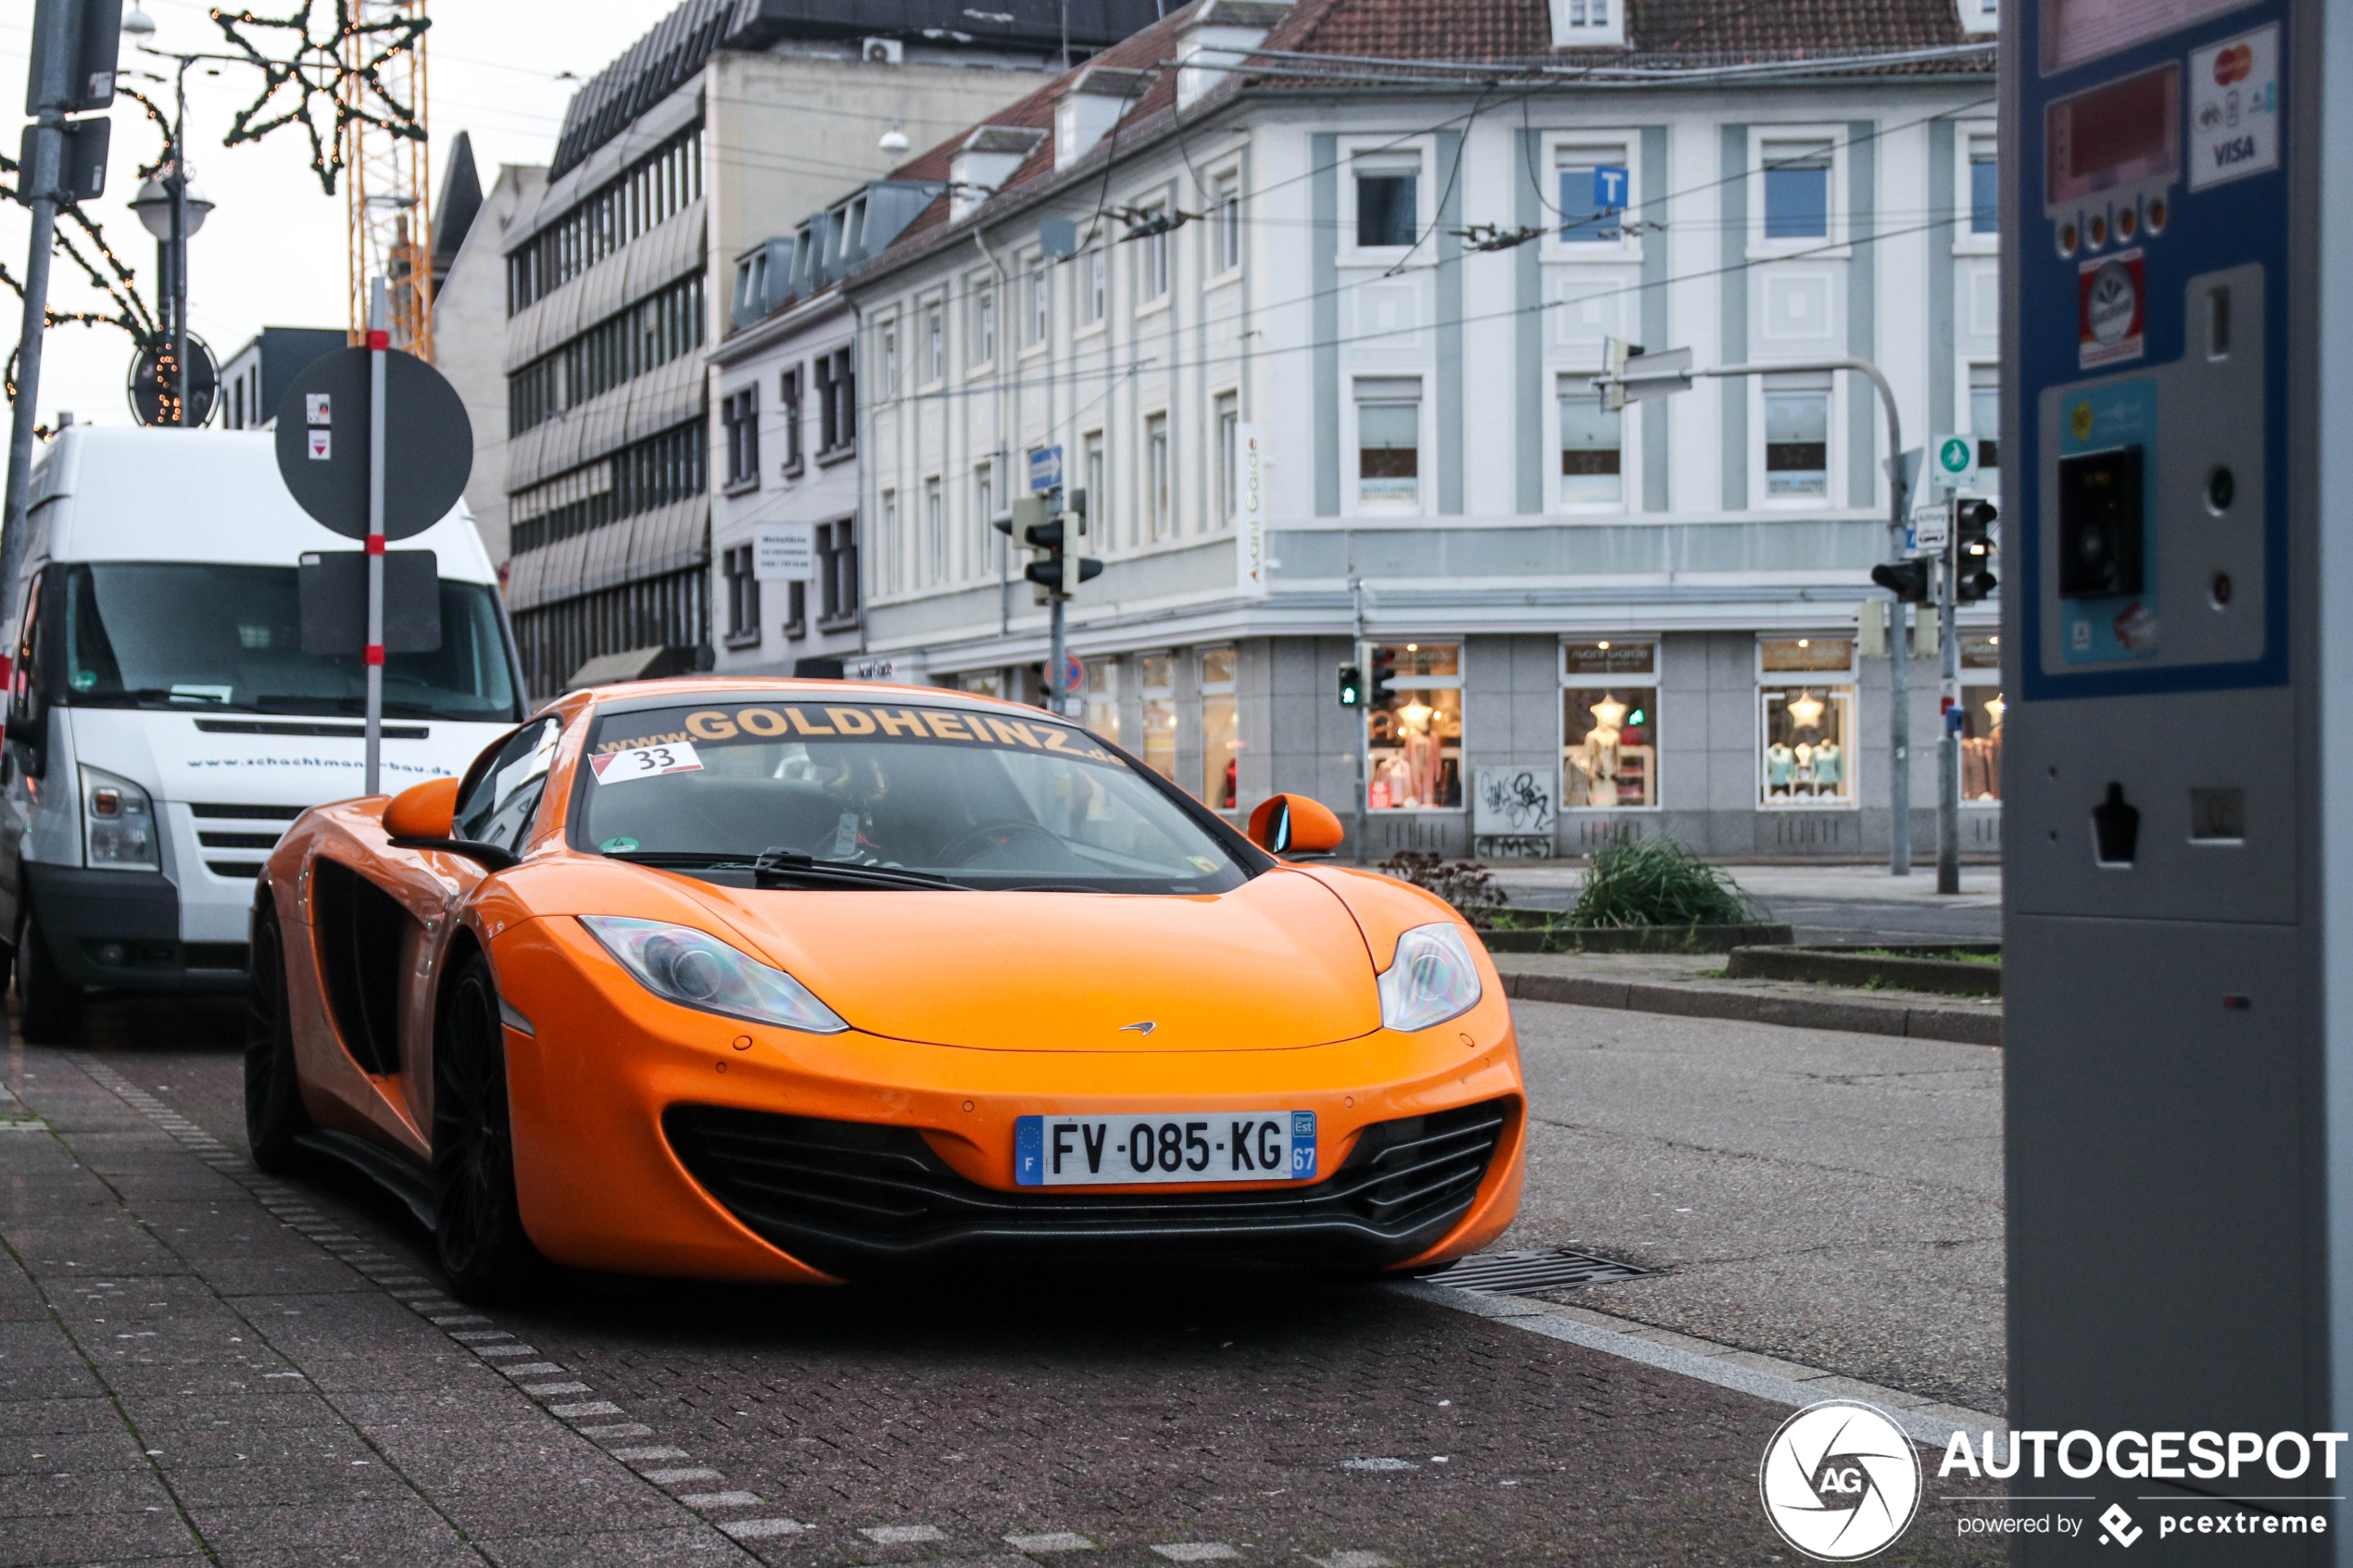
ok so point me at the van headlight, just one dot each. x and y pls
(118, 823)
(696, 970)
(1432, 978)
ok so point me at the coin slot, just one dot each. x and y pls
(2218, 323)
(2217, 816)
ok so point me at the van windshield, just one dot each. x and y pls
(195, 636)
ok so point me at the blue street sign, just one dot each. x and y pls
(1045, 467)
(1609, 187)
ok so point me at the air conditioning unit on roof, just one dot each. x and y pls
(882, 51)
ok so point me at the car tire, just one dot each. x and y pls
(477, 1217)
(48, 1005)
(274, 1116)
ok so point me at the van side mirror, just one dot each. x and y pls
(425, 811)
(1295, 825)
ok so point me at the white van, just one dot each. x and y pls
(164, 724)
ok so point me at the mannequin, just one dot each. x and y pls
(1781, 768)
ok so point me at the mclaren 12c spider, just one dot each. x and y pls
(812, 982)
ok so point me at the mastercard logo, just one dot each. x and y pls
(2234, 64)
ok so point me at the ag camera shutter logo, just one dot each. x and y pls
(1840, 1481)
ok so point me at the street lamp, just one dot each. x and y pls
(153, 204)
(172, 207)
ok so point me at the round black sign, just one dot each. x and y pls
(323, 443)
(154, 383)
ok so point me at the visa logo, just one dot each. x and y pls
(2235, 151)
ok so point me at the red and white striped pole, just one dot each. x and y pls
(378, 344)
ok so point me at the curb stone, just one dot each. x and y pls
(1958, 1025)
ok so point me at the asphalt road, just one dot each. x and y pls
(200, 1363)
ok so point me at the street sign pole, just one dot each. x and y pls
(379, 343)
(1948, 742)
(40, 179)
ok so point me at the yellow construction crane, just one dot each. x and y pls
(391, 212)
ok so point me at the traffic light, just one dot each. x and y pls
(1907, 580)
(1033, 522)
(1973, 521)
(1383, 690)
(1351, 686)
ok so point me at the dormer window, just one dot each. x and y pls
(1980, 16)
(1585, 24)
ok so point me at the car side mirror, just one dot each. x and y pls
(1295, 825)
(425, 811)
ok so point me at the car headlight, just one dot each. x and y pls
(1432, 978)
(696, 970)
(118, 823)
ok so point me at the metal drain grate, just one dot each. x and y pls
(1516, 1274)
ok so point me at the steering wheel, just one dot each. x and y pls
(955, 853)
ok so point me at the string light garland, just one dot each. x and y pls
(83, 243)
(354, 52)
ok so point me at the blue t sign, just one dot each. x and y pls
(1609, 188)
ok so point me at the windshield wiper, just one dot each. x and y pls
(788, 867)
(146, 694)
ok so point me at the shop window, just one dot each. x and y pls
(1982, 710)
(1609, 725)
(1592, 441)
(1586, 217)
(1806, 701)
(1985, 414)
(1387, 212)
(1984, 186)
(1102, 698)
(1415, 735)
(1220, 734)
(1798, 436)
(1157, 674)
(1389, 441)
(983, 682)
(1797, 190)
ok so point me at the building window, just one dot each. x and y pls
(895, 551)
(1609, 725)
(1415, 735)
(1592, 447)
(836, 404)
(1042, 303)
(743, 597)
(1229, 456)
(788, 399)
(1797, 435)
(1151, 255)
(936, 529)
(1590, 213)
(796, 612)
(984, 345)
(1098, 493)
(1102, 697)
(1797, 190)
(1226, 221)
(1982, 709)
(1096, 290)
(1387, 211)
(1984, 186)
(837, 575)
(643, 196)
(985, 536)
(935, 344)
(1157, 473)
(237, 415)
(1587, 22)
(1805, 697)
(1221, 743)
(1389, 441)
(656, 471)
(739, 418)
(1985, 414)
(1158, 678)
(646, 335)
(890, 359)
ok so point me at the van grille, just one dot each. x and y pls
(249, 813)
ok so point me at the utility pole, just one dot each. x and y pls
(72, 71)
(1948, 741)
(1361, 659)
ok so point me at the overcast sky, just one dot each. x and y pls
(273, 251)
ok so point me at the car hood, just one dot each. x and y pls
(1277, 964)
(166, 754)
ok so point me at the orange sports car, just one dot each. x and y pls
(807, 982)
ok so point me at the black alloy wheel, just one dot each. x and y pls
(274, 1116)
(48, 1005)
(477, 1218)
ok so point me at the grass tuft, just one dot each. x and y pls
(1658, 881)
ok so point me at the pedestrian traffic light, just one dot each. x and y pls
(1973, 521)
(1382, 689)
(1351, 685)
(1907, 580)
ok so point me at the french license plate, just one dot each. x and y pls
(1227, 1146)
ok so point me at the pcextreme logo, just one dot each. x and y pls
(1840, 1481)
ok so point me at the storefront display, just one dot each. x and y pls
(1609, 725)
(1981, 708)
(1415, 732)
(1220, 732)
(1157, 675)
(1806, 702)
(1102, 697)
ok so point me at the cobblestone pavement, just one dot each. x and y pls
(199, 1364)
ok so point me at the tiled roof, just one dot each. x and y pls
(1692, 33)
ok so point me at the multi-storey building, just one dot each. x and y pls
(1309, 299)
(722, 126)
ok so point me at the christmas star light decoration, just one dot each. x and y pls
(324, 65)
(83, 243)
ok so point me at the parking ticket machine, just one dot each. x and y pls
(2178, 645)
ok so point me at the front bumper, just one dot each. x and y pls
(120, 930)
(654, 1139)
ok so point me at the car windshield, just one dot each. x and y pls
(981, 800)
(197, 637)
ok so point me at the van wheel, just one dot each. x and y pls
(477, 1218)
(48, 1006)
(274, 1117)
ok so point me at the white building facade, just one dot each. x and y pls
(1314, 334)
